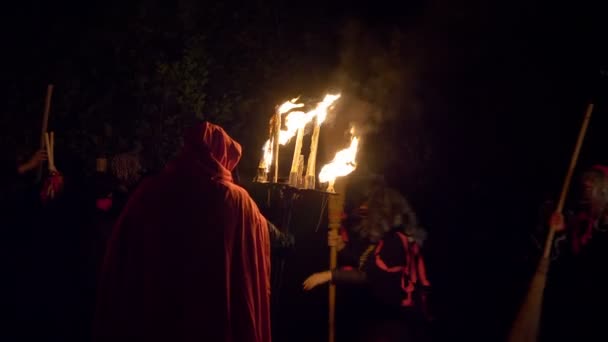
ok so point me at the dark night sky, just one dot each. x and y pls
(500, 90)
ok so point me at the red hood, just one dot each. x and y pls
(212, 150)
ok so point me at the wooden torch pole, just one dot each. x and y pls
(295, 163)
(526, 325)
(275, 147)
(309, 179)
(45, 123)
(336, 207)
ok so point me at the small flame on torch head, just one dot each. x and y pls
(321, 111)
(297, 119)
(284, 136)
(289, 105)
(267, 150)
(342, 165)
(294, 121)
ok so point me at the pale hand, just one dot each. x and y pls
(34, 161)
(335, 240)
(557, 222)
(316, 280)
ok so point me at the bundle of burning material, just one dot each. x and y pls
(295, 122)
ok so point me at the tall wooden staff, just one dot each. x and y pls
(45, 123)
(275, 147)
(525, 327)
(336, 207)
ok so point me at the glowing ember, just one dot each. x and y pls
(343, 164)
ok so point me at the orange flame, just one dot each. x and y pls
(296, 120)
(289, 105)
(321, 111)
(267, 156)
(343, 164)
(293, 122)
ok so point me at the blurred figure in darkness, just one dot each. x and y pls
(576, 289)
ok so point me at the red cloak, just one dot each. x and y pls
(189, 259)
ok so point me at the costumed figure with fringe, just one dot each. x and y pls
(380, 255)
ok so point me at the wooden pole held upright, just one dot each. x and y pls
(336, 207)
(45, 122)
(526, 325)
(309, 179)
(295, 163)
(275, 148)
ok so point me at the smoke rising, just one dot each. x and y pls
(377, 75)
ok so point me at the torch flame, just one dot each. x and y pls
(293, 121)
(267, 150)
(289, 105)
(321, 111)
(296, 120)
(343, 164)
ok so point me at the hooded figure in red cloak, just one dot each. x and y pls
(189, 259)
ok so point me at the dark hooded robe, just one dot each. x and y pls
(189, 259)
(382, 254)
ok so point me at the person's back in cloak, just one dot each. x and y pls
(189, 257)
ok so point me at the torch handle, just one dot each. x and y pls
(567, 181)
(295, 162)
(314, 144)
(297, 149)
(336, 207)
(275, 149)
(45, 123)
(309, 179)
(574, 159)
(333, 263)
(48, 150)
(333, 257)
(52, 152)
(45, 117)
